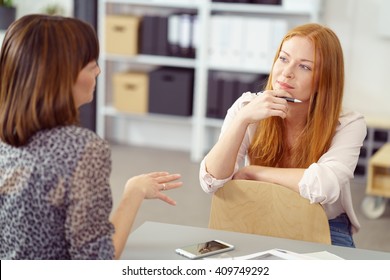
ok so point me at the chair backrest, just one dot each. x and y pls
(268, 209)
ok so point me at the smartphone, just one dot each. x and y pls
(204, 249)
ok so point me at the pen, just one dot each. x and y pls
(289, 99)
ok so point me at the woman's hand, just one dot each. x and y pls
(136, 190)
(153, 184)
(266, 104)
(250, 172)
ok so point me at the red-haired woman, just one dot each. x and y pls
(312, 146)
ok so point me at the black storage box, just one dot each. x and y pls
(171, 91)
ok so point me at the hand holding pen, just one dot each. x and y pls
(268, 103)
(288, 99)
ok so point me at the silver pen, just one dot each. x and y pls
(288, 99)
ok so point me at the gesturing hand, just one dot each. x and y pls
(153, 184)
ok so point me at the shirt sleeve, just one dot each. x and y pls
(323, 181)
(210, 184)
(88, 229)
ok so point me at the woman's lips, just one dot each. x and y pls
(284, 86)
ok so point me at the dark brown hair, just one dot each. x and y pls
(40, 60)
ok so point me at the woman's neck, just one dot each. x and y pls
(294, 124)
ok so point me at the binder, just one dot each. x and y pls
(148, 33)
(173, 34)
(279, 29)
(250, 82)
(213, 96)
(185, 35)
(195, 38)
(219, 40)
(161, 23)
(229, 92)
(245, 82)
(257, 45)
(234, 25)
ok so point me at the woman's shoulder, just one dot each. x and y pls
(70, 131)
(349, 117)
(69, 137)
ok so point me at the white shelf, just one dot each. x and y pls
(150, 117)
(198, 138)
(185, 4)
(216, 123)
(239, 68)
(153, 60)
(257, 9)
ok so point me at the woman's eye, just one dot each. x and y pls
(305, 67)
(282, 58)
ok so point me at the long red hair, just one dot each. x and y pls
(268, 147)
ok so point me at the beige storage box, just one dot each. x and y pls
(122, 34)
(131, 92)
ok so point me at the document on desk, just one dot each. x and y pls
(280, 254)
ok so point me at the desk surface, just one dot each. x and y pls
(158, 241)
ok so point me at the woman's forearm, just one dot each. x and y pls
(123, 219)
(288, 177)
(221, 159)
(138, 188)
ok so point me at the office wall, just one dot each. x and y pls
(366, 52)
(36, 6)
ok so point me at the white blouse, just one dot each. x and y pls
(326, 181)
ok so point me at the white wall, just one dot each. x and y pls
(367, 54)
(37, 6)
(25, 7)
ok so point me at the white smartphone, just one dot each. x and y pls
(204, 249)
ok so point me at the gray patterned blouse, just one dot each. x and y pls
(55, 197)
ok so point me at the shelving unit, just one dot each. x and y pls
(374, 167)
(197, 133)
(378, 134)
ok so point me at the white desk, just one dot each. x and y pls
(158, 241)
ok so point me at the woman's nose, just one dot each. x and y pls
(288, 72)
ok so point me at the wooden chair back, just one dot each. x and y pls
(268, 209)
